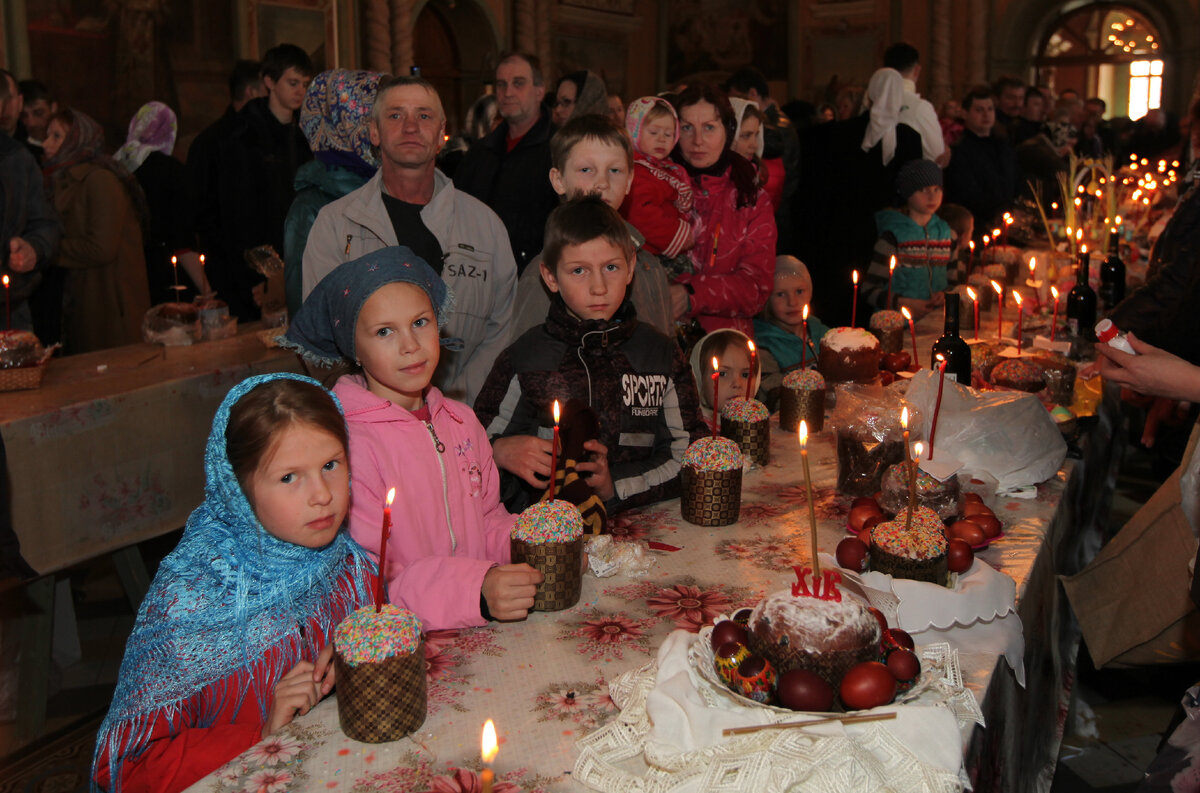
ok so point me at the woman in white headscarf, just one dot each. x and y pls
(885, 95)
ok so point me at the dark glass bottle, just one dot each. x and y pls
(1112, 275)
(1081, 302)
(951, 346)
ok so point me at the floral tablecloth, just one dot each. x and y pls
(545, 680)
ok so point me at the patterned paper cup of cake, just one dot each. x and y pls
(379, 659)
(746, 423)
(888, 327)
(548, 536)
(802, 398)
(916, 552)
(712, 482)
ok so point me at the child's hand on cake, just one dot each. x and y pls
(323, 673)
(526, 456)
(600, 477)
(294, 692)
(509, 590)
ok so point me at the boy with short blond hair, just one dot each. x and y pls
(591, 155)
(591, 350)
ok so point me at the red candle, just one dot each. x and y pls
(1054, 319)
(937, 405)
(974, 300)
(750, 375)
(854, 305)
(715, 376)
(384, 533)
(7, 310)
(1033, 283)
(804, 336)
(891, 270)
(554, 450)
(913, 329)
(999, 310)
(1020, 317)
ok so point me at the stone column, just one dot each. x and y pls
(378, 29)
(402, 36)
(525, 35)
(940, 88)
(977, 24)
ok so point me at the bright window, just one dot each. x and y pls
(1145, 87)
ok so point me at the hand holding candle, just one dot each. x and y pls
(384, 533)
(802, 432)
(487, 751)
(554, 449)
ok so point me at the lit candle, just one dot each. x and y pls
(554, 449)
(804, 335)
(999, 310)
(750, 374)
(1035, 283)
(1020, 319)
(971, 256)
(912, 486)
(812, 518)
(7, 308)
(986, 241)
(715, 376)
(1054, 319)
(912, 329)
(937, 405)
(904, 426)
(384, 533)
(891, 270)
(175, 272)
(488, 750)
(854, 304)
(974, 300)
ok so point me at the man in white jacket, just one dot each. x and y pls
(916, 112)
(409, 202)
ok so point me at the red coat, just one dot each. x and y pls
(650, 207)
(775, 176)
(178, 755)
(728, 289)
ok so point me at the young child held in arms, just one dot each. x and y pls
(592, 156)
(732, 351)
(920, 241)
(780, 328)
(660, 203)
(232, 639)
(378, 316)
(591, 348)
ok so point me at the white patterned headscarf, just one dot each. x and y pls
(885, 95)
(152, 128)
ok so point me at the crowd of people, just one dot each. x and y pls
(564, 245)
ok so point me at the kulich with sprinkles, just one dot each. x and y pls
(804, 380)
(713, 454)
(711, 481)
(549, 521)
(1018, 374)
(916, 552)
(369, 637)
(745, 422)
(889, 326)
(742, 409)
(379, 660)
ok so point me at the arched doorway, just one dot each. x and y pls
(1109, 51)
(455, 44)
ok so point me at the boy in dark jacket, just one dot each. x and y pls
(592, 349)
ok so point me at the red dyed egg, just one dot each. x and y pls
(859, 515)
(886, 378)
(971, 508)
(880, 618)
(728, 631)
(872, 522)
(867, 685)
(989, 524)
(800, 689)
(895, 361)
(969, 531)
(972, 498)
(904, 665)
(852, 554)
(959, 556)
(865, 501)
(896, 639)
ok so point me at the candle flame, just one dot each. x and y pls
(1032, 265)
(6, 282)
(892, 264)
(986, 240)
(1118, 220)
(202, 260)
(716, 366)
(1017, 297)
(995, 233)
(802, 434)
(1054, 292)
(805, 312)
(972, 244)
(173, 261)
(1083, 247)
(904, 311)
(556, 410)
(904, 418)
(999, 289)
(488, 747)
(971, 294)
(854, 277)
(1079, 233)
(918, 447)
(391, 496)
(750, 344)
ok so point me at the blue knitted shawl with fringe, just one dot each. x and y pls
(224, 619)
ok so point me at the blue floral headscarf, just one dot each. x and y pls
(335, 118)
(230, 598)
(323, 329)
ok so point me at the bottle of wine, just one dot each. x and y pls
(1112, 275)
(1081, 302)
(951, 346)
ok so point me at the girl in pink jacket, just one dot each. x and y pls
(377, 318)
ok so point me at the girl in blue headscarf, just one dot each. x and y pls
(232, 639)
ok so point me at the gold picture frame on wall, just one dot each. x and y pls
(309, 24)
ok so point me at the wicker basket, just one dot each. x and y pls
(562, 565)
(711, 498)
(381, 702)
(20, 378)
(752, 437)
(796, 405)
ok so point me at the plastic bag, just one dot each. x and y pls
(872, 413)
(1007, 435)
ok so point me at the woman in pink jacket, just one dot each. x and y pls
(448, 553)
(733, 259)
